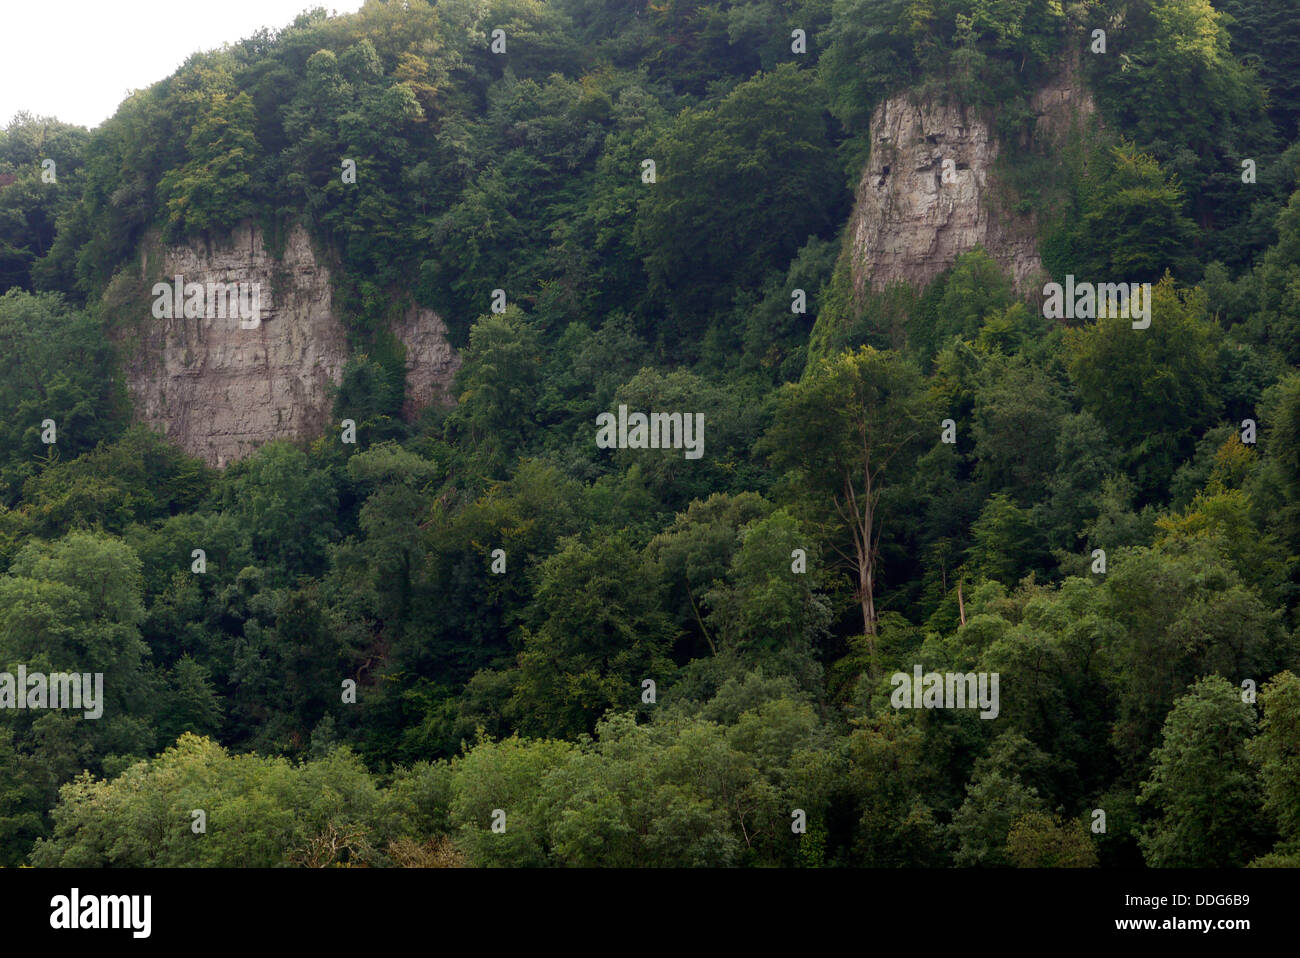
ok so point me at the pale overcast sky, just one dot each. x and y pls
(77, 59)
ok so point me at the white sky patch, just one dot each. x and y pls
(76, 60)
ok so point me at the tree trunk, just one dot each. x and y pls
(867, 569)
(867, 593)
(868, 600)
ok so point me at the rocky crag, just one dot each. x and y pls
(930, 190)
(219, 390)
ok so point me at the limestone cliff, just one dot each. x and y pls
(431, 362)
(910, 222)
(219, 390)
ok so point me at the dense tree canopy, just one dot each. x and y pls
(478, 636)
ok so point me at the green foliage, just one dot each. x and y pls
(890, 775)
(988, 50)
(996, 800)
(140, 478)
(503, 776)
(1168, 371)
(210, 192)
(259, 812)
(826, 537)
(287, 504)
(716, 167)
(1017, 417)
(598, 641)
(1273, 750)
(1176, 89)
(1037, 840)
(1126, 222)
(843, 432)
(1272, 288)
(1181, 609)
(40, 194)
(1261, 39)
(498, 388)
(765, 611)
(974, 289)
(55, 366)
(1205, 800)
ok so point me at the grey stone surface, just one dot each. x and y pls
(220, 391)
(909, 225)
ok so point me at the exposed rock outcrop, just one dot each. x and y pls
(431, 362)
(911, 221)
(219, 390)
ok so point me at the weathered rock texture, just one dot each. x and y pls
(219, 391)
(431, 362)
(909, 225)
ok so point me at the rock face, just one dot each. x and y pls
(910, 222)
(219, 390)
(431, 362)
